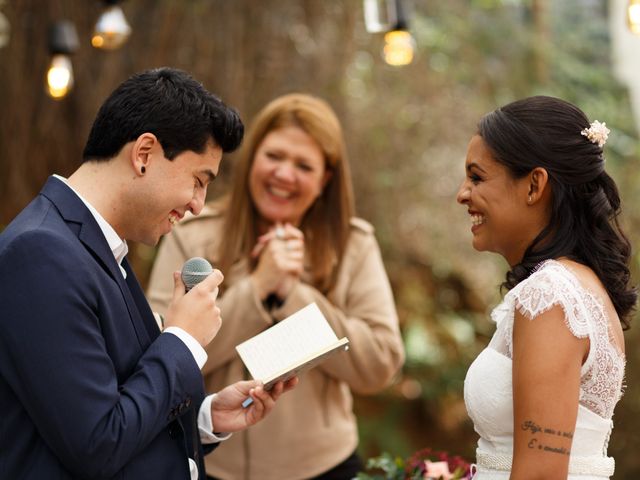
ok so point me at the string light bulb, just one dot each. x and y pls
(111, 30)
(59, 76)
(399, 45)
(633, 16)
(5, 28)
(63, 41)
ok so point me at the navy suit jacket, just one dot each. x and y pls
(89, 388)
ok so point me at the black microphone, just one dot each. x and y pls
(194, 271)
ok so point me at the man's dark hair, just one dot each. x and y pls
(168, 103)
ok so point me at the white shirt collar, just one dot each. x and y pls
(117, 245)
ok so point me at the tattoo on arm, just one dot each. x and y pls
(548, 435)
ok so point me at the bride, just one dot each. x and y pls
(542, 394)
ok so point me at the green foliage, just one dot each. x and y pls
(392, 468)
(416, 467)
(472, 57)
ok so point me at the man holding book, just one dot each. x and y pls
(89, 386)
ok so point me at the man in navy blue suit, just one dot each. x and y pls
(90, 387)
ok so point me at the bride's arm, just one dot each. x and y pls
(547, 359)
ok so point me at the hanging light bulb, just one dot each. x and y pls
(4, 28)
(399, 45)
(59, 76)
(633, 16)
(111, 30)
(63, 41)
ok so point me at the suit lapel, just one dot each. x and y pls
(81, 221)
(141, 302)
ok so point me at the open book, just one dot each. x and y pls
(291, 346)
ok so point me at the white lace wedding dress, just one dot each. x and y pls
(488, 390)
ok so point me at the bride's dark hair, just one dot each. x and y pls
(546, 132)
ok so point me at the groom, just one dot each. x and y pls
(89, 386)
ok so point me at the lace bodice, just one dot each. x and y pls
(488, 389)
(553, 284)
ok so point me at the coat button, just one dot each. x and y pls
(174, 430)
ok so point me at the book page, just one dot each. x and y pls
(289, 344)
(306, 363)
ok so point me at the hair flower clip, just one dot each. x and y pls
(597, 133)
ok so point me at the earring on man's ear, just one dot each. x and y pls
(530, 200)
(142, 170)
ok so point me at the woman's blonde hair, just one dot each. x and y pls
(326, 224)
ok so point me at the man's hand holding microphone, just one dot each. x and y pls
(194, 310)
(193, 307)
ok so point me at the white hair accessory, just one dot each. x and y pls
(597, 133)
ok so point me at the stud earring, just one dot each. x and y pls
(530, 200)
(143, 170)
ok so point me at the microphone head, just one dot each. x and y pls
(194, 271)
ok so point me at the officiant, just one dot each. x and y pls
(285, 236)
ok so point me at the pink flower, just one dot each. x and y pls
(437, 471)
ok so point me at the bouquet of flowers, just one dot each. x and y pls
(425, 464)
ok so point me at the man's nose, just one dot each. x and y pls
(197, 202)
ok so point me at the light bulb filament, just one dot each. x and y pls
(633, 16)
(59, 76)
(399, 47)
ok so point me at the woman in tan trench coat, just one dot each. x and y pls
(285, 237)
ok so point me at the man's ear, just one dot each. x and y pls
(144, 149)
(538, 181)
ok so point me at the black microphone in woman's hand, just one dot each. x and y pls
(194, 271)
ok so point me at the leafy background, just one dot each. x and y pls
(407, 130)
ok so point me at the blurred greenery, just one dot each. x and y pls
(473, 58)
(406, 128)
(417, 467)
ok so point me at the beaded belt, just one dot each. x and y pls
(591, 465)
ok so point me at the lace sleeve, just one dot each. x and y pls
(549, 286)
